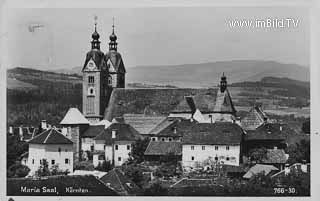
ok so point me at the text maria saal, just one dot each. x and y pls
(45, 189)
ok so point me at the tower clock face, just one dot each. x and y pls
(91, 65)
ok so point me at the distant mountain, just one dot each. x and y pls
(208, 74)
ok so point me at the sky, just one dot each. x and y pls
(155, 36)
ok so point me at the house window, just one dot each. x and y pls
(170, 139)
(128, 147)
(59, 149)
(119, 158)
(203, 147)
(40, 162)
(216, 158)
(91, 148)
(163, 139)
(227, 158)
(227, 147)
(104, 147)
(116, 147)
(66, 161)
(32, 161)
(153, 139)
(216, 147)
(192, 158)
(192, 147)
(52, 162)
(91, 79)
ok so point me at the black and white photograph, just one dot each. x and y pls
(206, 101)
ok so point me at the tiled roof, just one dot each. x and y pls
(124, 132)
(163, 148)
(253, 119)
(259, 168)
(94, 186)
(223, 103)
(216, 133)
(205, 102)
(275, 156)
(142, 123)
(116, 60)
(120, 183)
(157, 102)
(269, 131)
(93, 131)
(50, 136)
(173, 127)
(74, 116)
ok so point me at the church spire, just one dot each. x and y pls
(95, 43)
(113, 39)
(223, 83)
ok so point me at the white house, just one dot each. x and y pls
(206, 143)
(114, 144)
(53, 147)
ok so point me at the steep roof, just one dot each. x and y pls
(50, 136)
(116, 179)
(98, 58)
(259, 168)
(163, 148)
(116, 60)
(94, 186)
(124, 132)
(216, 133)
(173, 127)
(253, 119)
(74, 116)
(142, 123)
(93, 131)
(205, 102)
(269, 131)
(157, 102)
(275, 156)
(224, 103)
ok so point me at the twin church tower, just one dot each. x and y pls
(101, 73)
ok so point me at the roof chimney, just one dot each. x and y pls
(113, 134)
(44, 125)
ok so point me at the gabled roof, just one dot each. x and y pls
(93, 131)
(95, 186)
(216, 133)
(97, 56)
(156, 102)
(116, 60)
(50, 136)
(124, 132)
(224, 103)
(269, 131)
(253, 119)
(275, 156)
(163, 148)
(142, 123)
(116, 179)
(74, 116)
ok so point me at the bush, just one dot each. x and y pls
(18, 170)
(84, 165)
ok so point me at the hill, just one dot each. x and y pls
(208, 74)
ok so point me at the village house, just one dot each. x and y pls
(53, 147)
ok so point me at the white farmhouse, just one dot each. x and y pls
(53, 147)
(114, 144)
(207, 143)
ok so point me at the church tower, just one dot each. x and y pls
(115, 65)
(95, 91)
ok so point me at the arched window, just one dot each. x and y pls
(109, 80)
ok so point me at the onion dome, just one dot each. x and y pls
(95, 43)
(113, 38)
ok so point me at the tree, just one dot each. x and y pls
(258, 154)
(43, 170)
(54, 170)
(15, 148)
(137, 151)
(306, 127)
(134, 172)
(18, 170)
(299, 152)
(84, 165)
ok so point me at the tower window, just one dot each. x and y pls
(203, 147)
(109, 80)
(216, 147)
(227, 147)
(66, 161)
(91, 79)
(128, 147)
(116, 147)
(192, 147)
(192, 158)
(52, 162)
